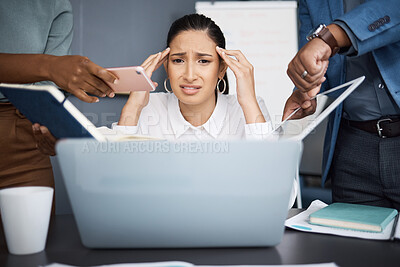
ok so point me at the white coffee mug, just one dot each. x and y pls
(25, 212)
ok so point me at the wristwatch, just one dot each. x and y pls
(322, 32)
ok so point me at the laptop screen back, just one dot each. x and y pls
(164, 194)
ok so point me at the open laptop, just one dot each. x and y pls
(159, 194)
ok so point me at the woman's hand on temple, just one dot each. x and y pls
(245, 84)
(154, 61)
(244, 73)
(139, 99)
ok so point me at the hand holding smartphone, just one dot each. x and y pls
(131, 79)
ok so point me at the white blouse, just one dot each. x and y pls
(162, 118)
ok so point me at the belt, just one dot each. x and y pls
(384, 127)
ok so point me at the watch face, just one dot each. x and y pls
(314, 32)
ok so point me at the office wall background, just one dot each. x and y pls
(122, 33)
(118, 33)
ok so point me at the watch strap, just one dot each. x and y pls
(329, 39)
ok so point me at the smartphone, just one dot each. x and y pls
(131, 79)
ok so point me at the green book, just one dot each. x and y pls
(354, 216)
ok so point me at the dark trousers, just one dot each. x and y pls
(366, 169)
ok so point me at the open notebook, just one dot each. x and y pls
(46, 105)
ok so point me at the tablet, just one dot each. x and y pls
(131, 79)
(327, 101)
(46, 105)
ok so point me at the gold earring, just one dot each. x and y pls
(219, 80)
(165, 86)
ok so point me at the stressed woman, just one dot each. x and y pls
(197, 107)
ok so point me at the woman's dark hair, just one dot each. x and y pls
(199, 22)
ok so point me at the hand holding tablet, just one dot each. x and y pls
(339, 94)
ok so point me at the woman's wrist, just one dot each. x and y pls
(130, 116)
(252, 112)
(248, 102)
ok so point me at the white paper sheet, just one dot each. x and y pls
(300, 222)
(186, 264)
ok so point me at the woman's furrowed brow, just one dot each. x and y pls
(200, 54)
(179, 54)
(204, 55)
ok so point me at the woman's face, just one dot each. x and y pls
(193, 68)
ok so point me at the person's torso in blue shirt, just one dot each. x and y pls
(371, 100)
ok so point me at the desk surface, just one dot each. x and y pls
(64, 246)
